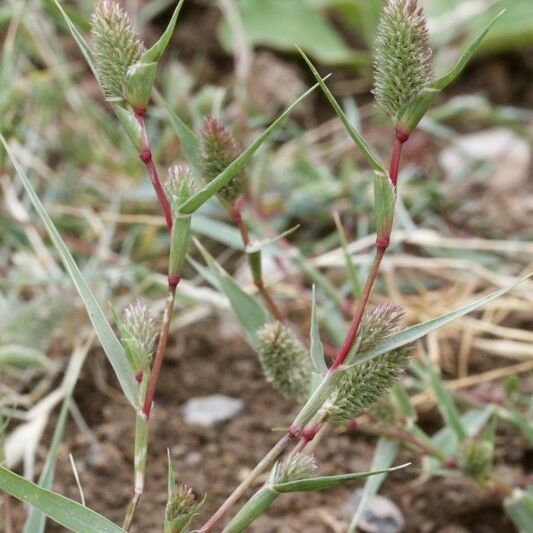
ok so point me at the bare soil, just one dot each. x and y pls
(213, 460)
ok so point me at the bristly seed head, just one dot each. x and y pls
(219, 148)
(116, 46)
(365, 384)
(181, 508)
(285, 360)
(377, 323)
(137, 333)
(292, 468)
(402, 63)
(179, 186)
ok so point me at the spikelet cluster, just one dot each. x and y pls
(181, 508)
(285, 361)
(402, 63)
(377, 323)
(476, 458)
(365, 384)
(218, 148)
(116, 46)
(292, 468)
(179, 186)
(137, 333)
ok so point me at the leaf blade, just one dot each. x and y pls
(366, 150)
(326, 482)
(413, 333)
(108, 340)
(198, 199)
(316, 349)
(64, 511)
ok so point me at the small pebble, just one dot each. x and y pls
(209, 410)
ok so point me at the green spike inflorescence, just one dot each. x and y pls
(181, 508)
(365, 384)
(219, 148)
(292, 468)
(116, 46)
(377, 323)
(285, 360)
(137, 333)
(402, 62)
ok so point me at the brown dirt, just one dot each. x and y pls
(212, 461)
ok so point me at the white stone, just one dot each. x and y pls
(381, 514)
(208, 410)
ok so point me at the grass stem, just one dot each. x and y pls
(145, 154)
(160, 350)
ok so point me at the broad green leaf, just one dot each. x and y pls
(193, 203)
(386, 452)
(446, 405)
(256, 246)
(106, 336)
(326, 482)
(156, 51)
(281, 23)
(189, 141)
(454, 73)
(516, 33)
(413, 333)
(366, 150)
(18, 356)
(316, 349)
(519, 508)
(250, 314)
(64, 511)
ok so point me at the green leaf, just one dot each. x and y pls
(256, 246)
(198, 199)
(153, 54)
(18, 356)
(80, 41)
(326, 482)
(454, 73)
(413, 333)
(366, 150)
(64, 511)
(252, 509)
(446, 405)
(316, 349)
(519, 508)
(281, 23)
(386, 452)
(250, 314)
(108, 339)
(189, 141)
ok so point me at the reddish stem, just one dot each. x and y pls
(351, 336)
(145, 155)
(235, 212)
(161, 347)
(399, 139)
